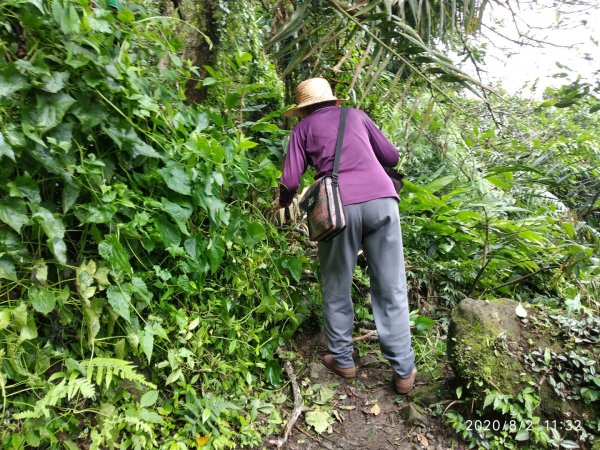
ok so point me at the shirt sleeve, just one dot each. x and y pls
(386, 152)
(293, 168)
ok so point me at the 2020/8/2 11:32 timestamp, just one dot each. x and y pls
(513, 425)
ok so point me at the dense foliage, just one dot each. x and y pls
(144, 291)
(133, 248)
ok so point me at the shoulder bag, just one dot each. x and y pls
(322, 201)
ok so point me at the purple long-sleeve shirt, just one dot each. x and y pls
(365, 150)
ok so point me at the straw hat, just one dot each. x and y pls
(311, 92)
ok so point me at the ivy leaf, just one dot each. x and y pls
(180, 213)
(5, 148)
(29, 331)
(11, 83)
(143, 149)
(42, 299)
(120, 301)
(55, 230)
(319, 420)
(256, 233)
(67, 18)
(7, 270)
(55, 81)
(12, 213)
(49, 111)
(25, 186)
(113, 252)
(4, 319)
(176, 178)
(169, 233)
(140, 290)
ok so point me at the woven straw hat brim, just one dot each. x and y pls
(297, 111)
(311, 92)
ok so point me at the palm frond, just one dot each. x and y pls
(400, 37)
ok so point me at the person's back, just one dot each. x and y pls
(372, 222)
(364, 153)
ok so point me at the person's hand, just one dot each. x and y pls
(288, 214)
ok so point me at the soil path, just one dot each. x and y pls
(364, 412)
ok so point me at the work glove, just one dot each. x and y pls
(287, 215)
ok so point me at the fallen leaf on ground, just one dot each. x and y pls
(423, 442)
(375, 410)
(320, 420)
(347, 407)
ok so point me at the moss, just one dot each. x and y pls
(481, 359)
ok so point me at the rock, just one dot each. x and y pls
(317, 370)
(412, 416)
(477, 327)
(487, 343)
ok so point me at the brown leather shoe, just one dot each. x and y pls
(405, 385)
(344, 372)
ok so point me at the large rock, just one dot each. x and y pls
(487, 348)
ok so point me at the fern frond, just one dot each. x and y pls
(106, 368)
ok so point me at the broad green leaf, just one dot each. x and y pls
(319, 420)
(273, 372)
(5, 148)
(7, 270)
(55, 230)
(179, 213)
(147, 342)
(216, 250)
(42, 299)
(176, 178)
(522, 435)
(11, 83)
(143, 149)
(20, 315)
(12, 213)
(25, 187)
(532, 236)
(256, 233)
(169, 233)
(49, 111)
(91, 314)
(66, 17)
(294, 264)
(148, 399)
(29, 331)
(140, 290)
(114, 254)
(232, 99)
(120, 301)
(53, 226)
(438, 184)
(70, 193)
(55, 81)
(4, 318)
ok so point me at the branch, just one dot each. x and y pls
(298, 406)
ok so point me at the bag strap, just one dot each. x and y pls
(338, 146)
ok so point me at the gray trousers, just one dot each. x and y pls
(374, 225)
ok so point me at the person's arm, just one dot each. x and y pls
(386, 152)
(293, 168)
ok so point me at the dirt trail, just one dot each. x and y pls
(364, 412)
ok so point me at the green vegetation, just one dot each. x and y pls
(144, 290)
